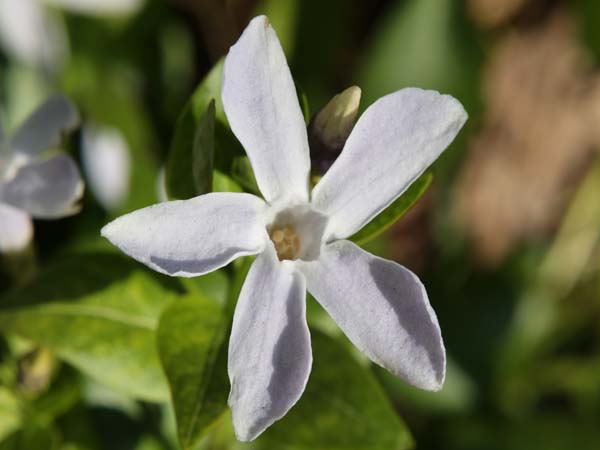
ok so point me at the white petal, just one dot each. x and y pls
(269, 350)
(262, 107)
(30, 34)
(44, 129)
(98, 7)
(47, 189)
(16, 230)
(392, 143)
(192, 237)
(107, 164)
(383, 309)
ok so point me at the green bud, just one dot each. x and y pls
(35, 370)
(331, 126)
(336, 120)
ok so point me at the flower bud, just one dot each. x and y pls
(331, 126)
(35, 370)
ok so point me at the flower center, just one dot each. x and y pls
(286, 241)
(297, 232)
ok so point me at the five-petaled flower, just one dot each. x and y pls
(33, 183)
(300, 239)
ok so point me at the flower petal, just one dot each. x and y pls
(16, 231)
(269, 350)
(392, 143)
(45, 126)
(259, 98)
(47, 189)
(31, 34)
(187, 238)
(383, 309)
(106, 161)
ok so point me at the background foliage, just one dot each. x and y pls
(97, 352)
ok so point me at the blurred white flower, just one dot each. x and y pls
(31, 34)
(32, 184)
(35, 35)
(107, 164)
(300, 239)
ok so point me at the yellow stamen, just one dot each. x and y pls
(286, 241)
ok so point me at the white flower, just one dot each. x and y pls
(300, 241)
(106, 161)
(32, 184)
(32, 34)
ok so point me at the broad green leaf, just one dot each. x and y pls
(10, 412)
(343, 408)
(190, 337)
(189, 167)
(99, 312)
(192, 342)
(395, 211)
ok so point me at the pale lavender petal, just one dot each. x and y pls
(192, 237)
(383, 309)
(392, 143)
(262, 107)
(46, 189)
(269, 350)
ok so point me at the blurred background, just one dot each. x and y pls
(505, 239)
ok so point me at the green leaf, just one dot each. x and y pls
(208, 90)
(191, 155)
(10, 412)
(223, 183)
(241, 171)
(204, 151)
(214, 143)
(343, 408)
(99, 312)
(190, 337)
(395, 211)
(304, 105)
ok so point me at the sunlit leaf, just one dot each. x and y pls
(190, 337)
(343, 408)
(10, 412)
(395, 211)
(98, 312)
